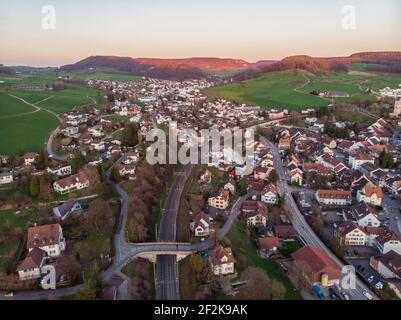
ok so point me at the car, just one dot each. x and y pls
(345, 295)
(396, 218)
(370, 278)
(9, 294)
(379, 285)
(367, 295)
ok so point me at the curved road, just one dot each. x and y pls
(303, 227)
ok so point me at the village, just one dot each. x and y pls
(346, 189)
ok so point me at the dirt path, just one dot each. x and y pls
(94, 102)
(34, 105)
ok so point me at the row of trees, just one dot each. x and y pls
(145, 199)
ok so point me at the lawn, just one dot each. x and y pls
(10, 107)
(7, 252)
(10, 223)
(27, 132)
(21, 125)
(245, 253)
(289, 247)
(187, 280)
(95, 245)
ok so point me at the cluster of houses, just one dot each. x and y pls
(46, 246)
(354, 184)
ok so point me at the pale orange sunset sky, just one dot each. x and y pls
(250, 30)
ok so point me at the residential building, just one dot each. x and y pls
(363, 214)
(370, 195)
(6, 178)
(389, 241)
(387, 265)
(48, 238)
(267, 246)
(30, 268)
(60, 171)
(255, 213)
(269, 194)
(220, 199)
(221, 260)
(356, 160)
(349, 234)
(30, 158)
(69, 207)
(200, 225)
(334, 197)
(314, 264)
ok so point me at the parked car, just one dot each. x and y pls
(9, 294)
(367, 295)
(379, 285)
(370, 278)
(345, 295)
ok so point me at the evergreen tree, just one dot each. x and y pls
(93, 284)
(34, 186)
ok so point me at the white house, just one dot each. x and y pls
(389, 241)
(30, 267)
(61, 171)
(221, 260)
(75, 182)
(388, 265)
(356, 160)
(48, 238)
(200, 225)
(269, 194)
(334, 197)
(349, 234)
(6, 177)
(69, 207)
(370, 195)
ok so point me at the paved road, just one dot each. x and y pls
(166, 278)
(303, 227)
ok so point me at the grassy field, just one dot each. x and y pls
(28, 132)
(245, 253)
(100, 74)
(10, 222)
(25, 127)
(272, 90)
(291, 89)
(9, 107)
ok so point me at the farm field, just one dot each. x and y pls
(99, 74)
(26, 127)
(28, 132)
(291, 89)
(10, 107)
(272, 90)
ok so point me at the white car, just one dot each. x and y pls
(367, 295)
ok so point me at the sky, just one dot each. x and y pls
(245, 29)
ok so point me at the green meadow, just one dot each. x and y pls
(291, 89)
(23, 126)
(28, 132)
